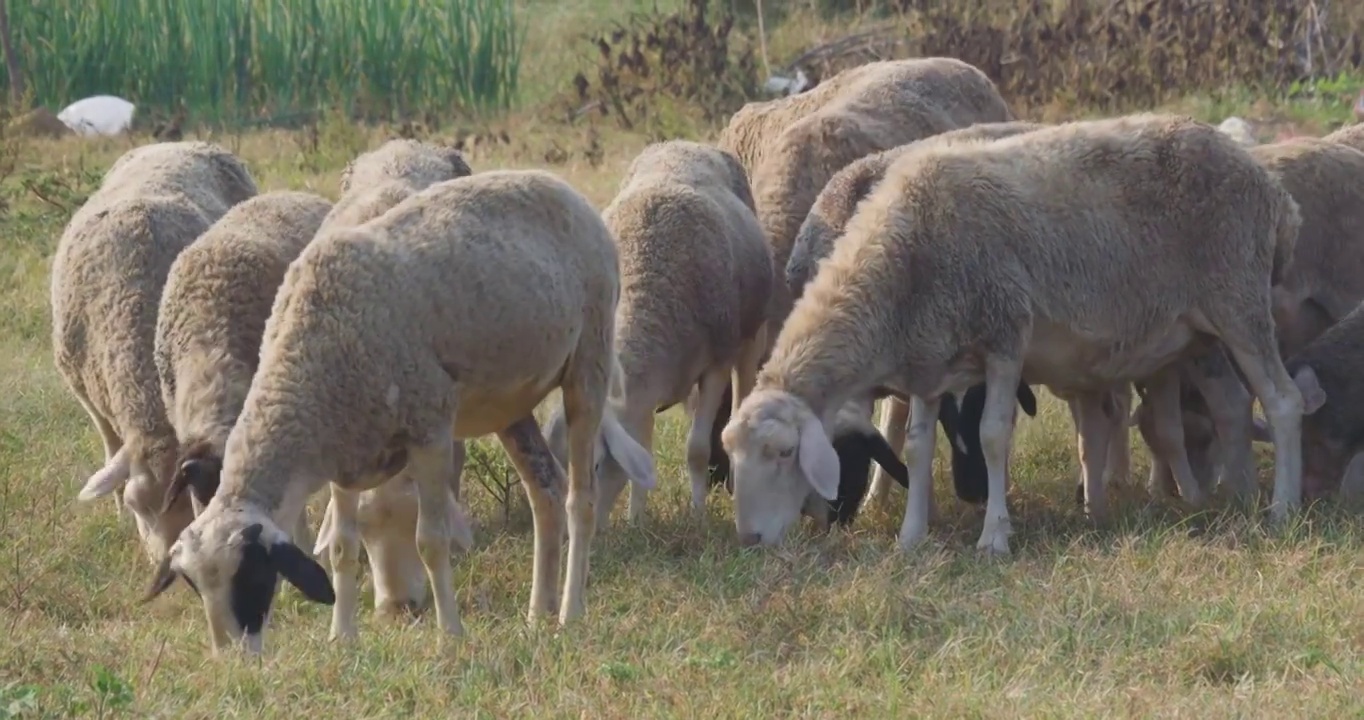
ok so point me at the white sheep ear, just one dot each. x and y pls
(817, 458)
(556, 435)
(325, 531)
(1313, 397)
(108, 478)
(637, 463)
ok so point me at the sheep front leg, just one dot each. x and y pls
(544, 483)
(895, 418)
(341, 537)
(996, 435)
(710, 392)
(1095, 430)
(918, 499)
(430, 468)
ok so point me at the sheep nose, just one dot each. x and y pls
(749, 539)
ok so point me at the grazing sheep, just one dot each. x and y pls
(1321, 283)
(213, 309)
(1079, 256)
(383, 519)
(452, 315)
(825, 223)
(696, 277)
(107, 276)
(1351, 135)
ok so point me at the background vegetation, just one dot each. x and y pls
(1166, 613)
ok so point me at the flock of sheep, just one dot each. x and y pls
(894, 232)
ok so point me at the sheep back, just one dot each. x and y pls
(696, 271)
(217, 297)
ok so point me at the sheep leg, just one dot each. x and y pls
(643, 427)
(430, 467)
(1233, 417)
(1118, 468)
(1166, 437)
(923, 417)
(112, 442)
(1095, 430)
(710, 392)
(544, 483)
(341, 536)
(895, 419)
(1352, 485)
(1002, 376)
(584, 405)
(388, 529)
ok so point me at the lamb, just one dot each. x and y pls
(452, 315)
(696, 277)
(825, 223)
(217, 296)
(1321, 284)
(107, 275)
(1039, 258)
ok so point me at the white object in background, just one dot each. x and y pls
(778, 85)
(1239, 130)
(98, 115)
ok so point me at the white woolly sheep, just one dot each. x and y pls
(452, 315)
(824, 224)
(1321, 284)
(1351, 135)
(696, 277)
(107, 275)
(217, 296)
(1076, 256)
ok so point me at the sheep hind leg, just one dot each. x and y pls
(430, 467)
(1166, 435)
(341, 537)
(635, 516)
(1249, 336)
(895, 419)
(584, 405)
(1002, 376)
(544, 483)
(710, 393)
(1233, 417)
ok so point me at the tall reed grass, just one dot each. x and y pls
(237, 59)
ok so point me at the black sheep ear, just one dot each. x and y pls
(302, 572)
(197, 474)
(1027, 400)
(164, 577)
(885, 457)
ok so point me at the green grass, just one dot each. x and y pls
(1162, 614)
(228, 60)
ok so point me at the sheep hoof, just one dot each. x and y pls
(912, 538)
(343, 634)
(994, 541)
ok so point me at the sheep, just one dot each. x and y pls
(217, 296)
(383, 519)
(1321, 284)
(1077, 256)
(825, 222)
(107, 275)
(452, 315)
(696, 277)
(1351, 135)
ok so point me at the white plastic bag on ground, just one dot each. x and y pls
(98, 115)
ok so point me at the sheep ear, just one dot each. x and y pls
(108, 478)
(885, 457)
(637, 463)
(302, 572)
(200, 475)
(164, 577)
(1313, 397)
(325, 530)
(1027, 400)
(818, 459)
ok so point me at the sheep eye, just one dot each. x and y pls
(787, 452)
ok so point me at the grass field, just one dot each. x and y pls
(1162, 614)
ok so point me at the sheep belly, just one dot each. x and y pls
(1061, 358)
